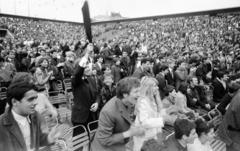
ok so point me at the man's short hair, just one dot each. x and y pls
(203, 127)
(183, 127)
(144, 60)
(125, 85)
(20, 84)
(220, 74)
(163, 68)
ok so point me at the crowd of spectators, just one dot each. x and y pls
(194, 62)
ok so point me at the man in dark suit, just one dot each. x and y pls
(99, 65)
(84, 94)
(229, 129)
(116, 117)
(220, 87)
(116, 71)
(125, 63)
(170, 76)
(68, 67)
(144, 69)
(20, 124)
(162, 83)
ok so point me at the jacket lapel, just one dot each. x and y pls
(13, 128)
(33, 130)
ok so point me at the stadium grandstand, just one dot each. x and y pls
(100, 77)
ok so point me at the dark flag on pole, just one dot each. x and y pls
(87, 21)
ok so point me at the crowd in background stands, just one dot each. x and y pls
(195, 59)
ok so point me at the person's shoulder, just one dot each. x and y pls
(110, 105)
(5, 118)
(137, 71)
(38, 70)
(1, 119)
(170, 141)
(235, 103)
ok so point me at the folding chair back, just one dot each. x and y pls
(167, 130)
(171, 134)
(215, 116)
(78, 142)
(57, 97)
(3, 93)
(67, 84)
(59, 85)
(92, 128)
(218, 145)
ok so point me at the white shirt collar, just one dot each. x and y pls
(19, 118)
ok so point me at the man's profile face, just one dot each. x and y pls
(146, 65)
(171, 65)
(190, 139)
(118, 62)
(88, 71)
(94, 72)
(194, 81)
(43, 53)
(133, 95)
(90, 47)
(124, 54)
(12, 55)
(100, 60)
(26, 105)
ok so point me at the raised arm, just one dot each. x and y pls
(77, 78)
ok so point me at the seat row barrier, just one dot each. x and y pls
(68, 142)
(63, 94)
(3, 93)
(65, 84)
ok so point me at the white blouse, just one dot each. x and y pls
(147, 116)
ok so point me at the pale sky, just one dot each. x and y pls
(70, 10)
